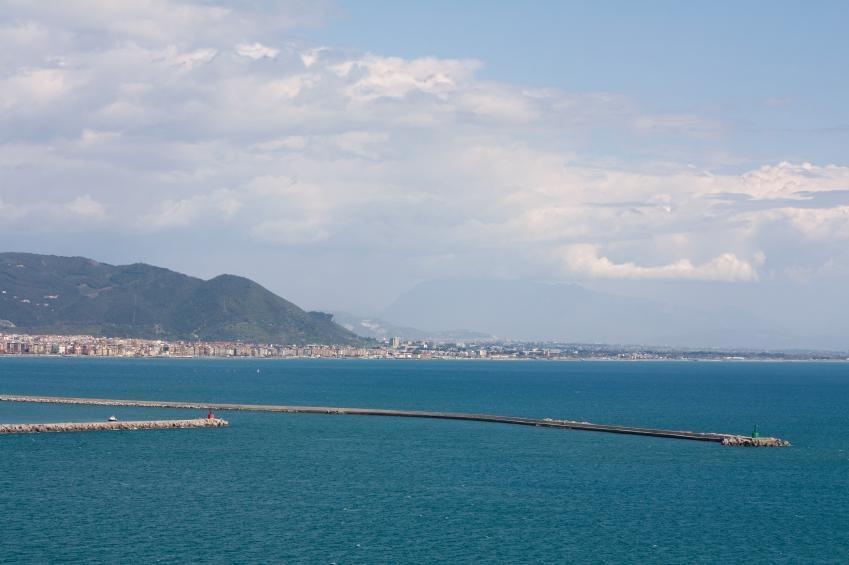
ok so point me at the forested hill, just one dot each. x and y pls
(51, 294)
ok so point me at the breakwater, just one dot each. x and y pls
(724, 439)
(112, 426)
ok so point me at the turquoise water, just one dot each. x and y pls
(346, 489)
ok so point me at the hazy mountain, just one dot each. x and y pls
(569, 312)
(381, 329)
(50, 294)
(813, 315)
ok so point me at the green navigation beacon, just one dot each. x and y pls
(755, 432)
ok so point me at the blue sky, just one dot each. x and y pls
(630, 145)
(773, 70)
(671, 52)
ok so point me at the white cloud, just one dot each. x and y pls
(218, 206)
(86, 207)
(292, 143)
(32, 87)
(372, 77)
(93, 138)
(360, 143)
(310, 56)
(256, 51)
(158, 22)
(821, 224)
(791, 181)
(290, 232)
(187, 59)
(585, 260)
(171, 213)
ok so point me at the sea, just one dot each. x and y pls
(302, 488)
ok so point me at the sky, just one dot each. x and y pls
(340, 153)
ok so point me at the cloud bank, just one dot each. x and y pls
(163, 118)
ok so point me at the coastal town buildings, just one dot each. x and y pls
(18, 344)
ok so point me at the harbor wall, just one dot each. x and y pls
(111, 426)
(724, 439)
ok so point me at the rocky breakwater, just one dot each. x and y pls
(746, 441)
(112, 426)
(724, 439)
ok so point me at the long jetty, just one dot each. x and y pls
(724, 439)
(112, 426)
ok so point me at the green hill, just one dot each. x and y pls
(50, 294)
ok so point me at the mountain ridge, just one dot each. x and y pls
(57, 294)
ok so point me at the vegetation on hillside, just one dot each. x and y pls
(51, 294)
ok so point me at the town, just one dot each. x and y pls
(12, 344)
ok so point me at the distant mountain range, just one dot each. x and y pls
(50, 294)
(529, 310)
(378, 328)
(64, 295)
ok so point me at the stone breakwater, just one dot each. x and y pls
(112, 426)
(746, 441)
(724, 439)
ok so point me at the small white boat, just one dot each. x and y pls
(113, 419)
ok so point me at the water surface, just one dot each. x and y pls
(347, 489)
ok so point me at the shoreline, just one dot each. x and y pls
(425, 359)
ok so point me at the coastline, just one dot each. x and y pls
(429, 359)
